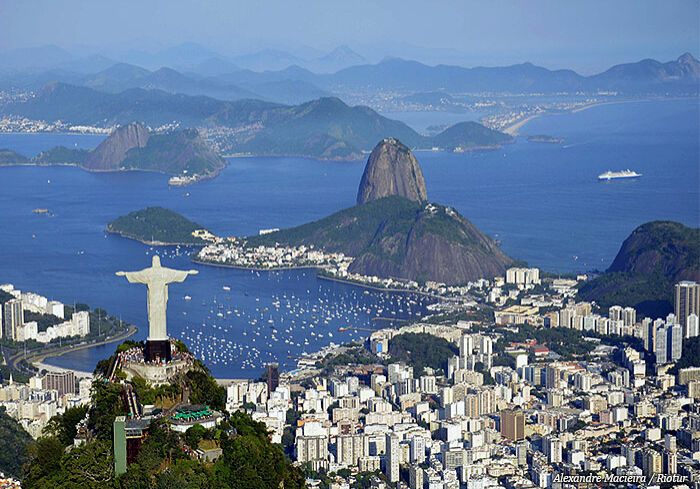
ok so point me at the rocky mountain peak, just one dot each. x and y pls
(392, 170)
(112, 150)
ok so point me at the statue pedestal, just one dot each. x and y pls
(157, 349)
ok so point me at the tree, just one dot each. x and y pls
(194, 435)
(45, 459)
(64, 426)
(13, 444)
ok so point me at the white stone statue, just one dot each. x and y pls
(157, 279)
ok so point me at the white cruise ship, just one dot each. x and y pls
(609, 175)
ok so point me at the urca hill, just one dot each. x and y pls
(134, 147)
(651, 260)
(395, 232)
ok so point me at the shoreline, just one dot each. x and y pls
(39, 357)
(146, 242)
(254, 269)
(383, 289)
(323, 277)
(513, 128)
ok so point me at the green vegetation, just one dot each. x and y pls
(17, 376)
(324, 128)
(249, 460)
(63, 426)
(356, 355)
(9, 157)
(467, 135)
(44, 321)
(397, 237)
(349, 231)
(61, 154)
(569, 343)
(421, 350)
(13, 444)
(652, 259)
(204, 389)
(174, 153)
(156, 224)
(155, 395)
(690, 356)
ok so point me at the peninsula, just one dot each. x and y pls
(133, 146)
(393, 233)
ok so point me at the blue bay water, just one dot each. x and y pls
(543, 201)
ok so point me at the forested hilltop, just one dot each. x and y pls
(655, 257)
(248, 460)
(156, 225)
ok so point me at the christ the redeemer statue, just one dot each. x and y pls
(157, 279)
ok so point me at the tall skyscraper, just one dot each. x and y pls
(513, 425)
(648, 334)
(669, 343)
(417, 449)
(392, 457)
(273, 377)
(687, 301)
(13, 317)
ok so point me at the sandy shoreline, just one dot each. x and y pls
(513, 128)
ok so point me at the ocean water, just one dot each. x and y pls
(543, 201)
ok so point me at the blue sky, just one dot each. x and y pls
(585, 35)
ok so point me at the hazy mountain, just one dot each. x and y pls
(289, 91)
(87, 64)
(35, 57)
(267, 59)
(400, 74)
(117, 78)
(214, 66)
(649, 73)
(323, 128)
(341, 57)
(123, 76)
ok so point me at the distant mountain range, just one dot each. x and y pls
(294, 81)
(324, 128)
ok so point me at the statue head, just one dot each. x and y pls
(156, 261)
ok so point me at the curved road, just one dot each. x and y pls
(40, 355)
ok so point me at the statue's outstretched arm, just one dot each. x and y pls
(140, 277)
(180, 275)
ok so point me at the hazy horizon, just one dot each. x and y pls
(555, 35)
